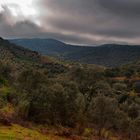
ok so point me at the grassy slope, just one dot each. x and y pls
(17, 132)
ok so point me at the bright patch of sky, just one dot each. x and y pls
(20, 10)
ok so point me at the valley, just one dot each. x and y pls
(109, 55)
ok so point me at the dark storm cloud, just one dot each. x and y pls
(78, 21)
(124, 8)
(10, 29)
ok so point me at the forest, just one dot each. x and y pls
(89, 101)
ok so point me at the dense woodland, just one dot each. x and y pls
(89, 100)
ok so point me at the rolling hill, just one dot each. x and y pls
(14, 53)
(107, 55)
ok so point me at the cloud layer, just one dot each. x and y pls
(73, 21)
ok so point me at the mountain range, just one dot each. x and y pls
(107, 55)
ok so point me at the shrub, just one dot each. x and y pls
(136, 87)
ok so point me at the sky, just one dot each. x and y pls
(72, 21)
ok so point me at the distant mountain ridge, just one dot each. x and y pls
(107, 55)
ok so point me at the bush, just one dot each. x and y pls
(65, 104)
(136, 87)
(5, 69)
(103, 112)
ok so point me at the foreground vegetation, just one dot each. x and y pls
(86, 101)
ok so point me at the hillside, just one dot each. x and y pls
(14, 54)
(66, 101)
(107, 55)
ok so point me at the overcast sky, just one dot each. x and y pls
(73, 21)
